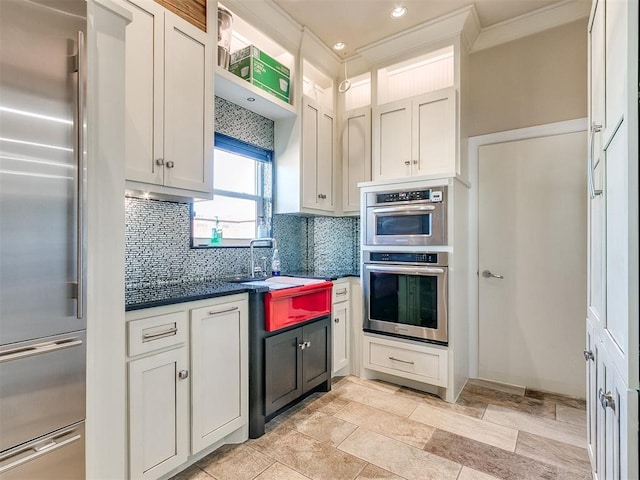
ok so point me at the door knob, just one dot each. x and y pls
(588, 355)
(606, 400)
(488, 274)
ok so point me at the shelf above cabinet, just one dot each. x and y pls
(236, 90)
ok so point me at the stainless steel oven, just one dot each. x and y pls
(406, 294)
(406, 217)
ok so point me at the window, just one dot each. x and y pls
(242, 204)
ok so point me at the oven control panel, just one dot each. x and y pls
(405, 257)
(409, 196)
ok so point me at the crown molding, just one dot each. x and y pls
(463, 21)
(537, 21)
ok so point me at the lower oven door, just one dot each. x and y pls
(406, 301)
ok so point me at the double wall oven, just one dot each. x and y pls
(405, 264)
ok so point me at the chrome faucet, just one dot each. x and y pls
(252, 265)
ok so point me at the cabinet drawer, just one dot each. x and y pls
(341, 292)
(416, 362)
(154, 333)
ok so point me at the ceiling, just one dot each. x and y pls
(361, 22)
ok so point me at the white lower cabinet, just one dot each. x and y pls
(219, 361)
(188, 381)
(340, 329)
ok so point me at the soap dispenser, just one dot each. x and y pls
(275, 263)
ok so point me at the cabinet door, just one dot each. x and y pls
(188, 109)
(158, 414)
(317, 156)
(283, 369)
(392, 140)
(356, 156)
(434, 133)
(340, 334)
(592, 346)
(219, 365)
(144, 98)
(316, 356)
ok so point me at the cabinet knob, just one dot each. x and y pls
(170, 164)
(322, 196)
(407, 162)
(337, 319)
(182, 374)
(159, 161)
(606, 400)
(588, 355)
(302, 345)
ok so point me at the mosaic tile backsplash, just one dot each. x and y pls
(157, 244)
(158, 252)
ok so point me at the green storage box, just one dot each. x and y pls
(261, 70)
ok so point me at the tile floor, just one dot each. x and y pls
(366, 430)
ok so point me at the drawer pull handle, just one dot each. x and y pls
(218, 312)
(31, 350)
(341, 292)
(402, 361)
(155, 336)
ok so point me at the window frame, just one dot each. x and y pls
(258, 154)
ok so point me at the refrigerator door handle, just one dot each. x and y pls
(37, 349)
(34, 450)
(81, 159)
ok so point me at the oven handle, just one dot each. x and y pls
(413, 270)
(404, 209)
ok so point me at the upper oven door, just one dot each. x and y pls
(410, 224)
(407, 301)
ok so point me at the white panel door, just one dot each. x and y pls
(144, 93)
(188, 106)
(356, 156)
(219, 364)
(392, 141)
(340, 334)
(434, 133)
(532, 231)
(158, 414)
(311, 119)
(325, 169)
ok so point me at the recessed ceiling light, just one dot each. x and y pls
(339, 46)
(398, 12)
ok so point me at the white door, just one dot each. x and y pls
(532, 231)
(392, 140)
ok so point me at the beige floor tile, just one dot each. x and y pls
(501, 387)
(377, 384)
(371, 472)
(469, 408)
(557, 398)
(278, 471)
(470, 474)
(397, 457)
(193, 473)
(321, 426)
(567, 457)
(376, 398)
(577, 416)
(477, 394)
(393, 426)
(235, 462)
(488, 459)
(473, 428)
(308, 456)
(553, 429)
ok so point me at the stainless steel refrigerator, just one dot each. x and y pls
(42, 324)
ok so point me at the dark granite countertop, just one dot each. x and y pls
(157, 295)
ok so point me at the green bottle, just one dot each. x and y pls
(216, 233)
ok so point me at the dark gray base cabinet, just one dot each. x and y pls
(296, 362)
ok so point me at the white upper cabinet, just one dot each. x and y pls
(318, 156)
(169, 103)
(416, 136)
(356, 156)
